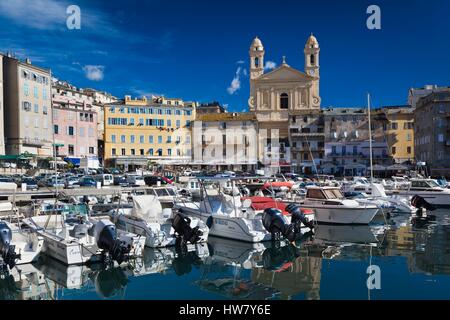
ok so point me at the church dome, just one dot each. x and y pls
(257, 44)
(312, 42)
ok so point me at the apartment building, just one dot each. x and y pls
(74, 122)
(307, 140)
(225, 141)
(347, 145)
(141, 131)
(27, 108)
(432, 132)
(400, 132)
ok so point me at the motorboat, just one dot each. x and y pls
(73, 237)
(428, 189)
(167, 259)
(330, 206)
(227, 215)
(18, 245)
(161, 227)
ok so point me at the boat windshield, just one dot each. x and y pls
(333, 194)
(424, 184)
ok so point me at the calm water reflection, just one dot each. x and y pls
(414, 264)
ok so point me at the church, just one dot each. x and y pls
(286, 102)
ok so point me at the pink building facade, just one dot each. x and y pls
(74, 124)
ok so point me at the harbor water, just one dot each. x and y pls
(399, 260)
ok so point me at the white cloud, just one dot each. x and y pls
(94, 73)
(236, 82)
(270, 65)
(39, 14)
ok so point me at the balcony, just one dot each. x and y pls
(307, 134)
(33, 142)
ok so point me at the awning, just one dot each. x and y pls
(59, 162)
(398, 167)
(378, 167)
(74, 161)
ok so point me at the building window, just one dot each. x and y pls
(150, 139)
(178, 123)
(169, 139)
(141, 139)
(394, 150)
(312, 59)
(71, 150)
(440, 137)
(355, 150)
(122, 138)
(132, 138)
(169, 152)
(91, 150)
(160, 152)
(113, 151)
(56, 129)
(26, 89)
(44, 110)
(133, 152)
(169, 123)
(70, 131)
(408, 150)
(394, 125)
(113, 138)
(123, 152)
(284, 101)
(44, 93)
(159, 139)
(36, 108)
(36, 93)
(256, 62)
(91, 132)
(150, 151)
(408, 137)
(81, 132)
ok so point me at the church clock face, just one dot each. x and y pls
(311, 72)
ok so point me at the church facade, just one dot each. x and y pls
(286, 103)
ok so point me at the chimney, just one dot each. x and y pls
(27, 61)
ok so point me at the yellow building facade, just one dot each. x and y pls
(400, 133)
(139, 131)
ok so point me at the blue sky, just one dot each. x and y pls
(194, 49)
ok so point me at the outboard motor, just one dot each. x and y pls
(105, 234)
(7, 250)
(182, 226)
(297, 217)
(275, 223)
(420, 203)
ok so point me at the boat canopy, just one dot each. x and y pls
(146, 207)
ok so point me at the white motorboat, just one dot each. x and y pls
(330, 206)
(73, 237)
(428, 189)
(226, 215)
(164, 260)
(149, 219)
(18, 246)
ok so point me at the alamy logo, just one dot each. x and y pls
(374, 20)
(374, 279)
(74, 19)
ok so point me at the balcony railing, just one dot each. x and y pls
(34, 142)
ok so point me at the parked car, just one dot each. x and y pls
(113, 171)
(135, 180)
(153, 180)
(55, 182)
(120, 181)
(30, 182)
(72, 182)
(7, 183)
(105, 179)
(87, 181)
